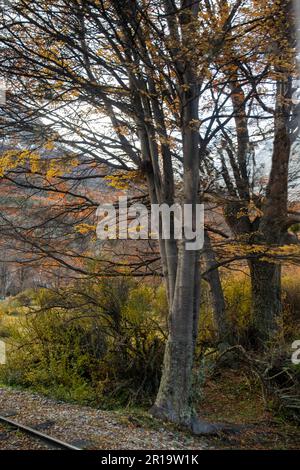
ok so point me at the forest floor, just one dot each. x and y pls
(232, 398)
(228, 398)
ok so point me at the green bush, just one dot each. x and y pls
(94, 342)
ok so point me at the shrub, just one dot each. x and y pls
(97, 342)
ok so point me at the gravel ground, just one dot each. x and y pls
(84, 426)
(10, 439)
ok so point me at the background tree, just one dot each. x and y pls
(258, 215)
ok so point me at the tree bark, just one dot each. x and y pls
(174, 401)
(173, 398)
(216, 291)
(266, 299)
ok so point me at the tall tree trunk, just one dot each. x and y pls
(266, 299)
(216, 291)
(173, 400)
(266, 277)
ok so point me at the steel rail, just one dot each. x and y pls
(40, 435)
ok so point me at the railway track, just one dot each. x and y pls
(46, 439)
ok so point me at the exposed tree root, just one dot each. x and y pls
(196, 425)
(200, 427)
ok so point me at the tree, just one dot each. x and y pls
(259, 216)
